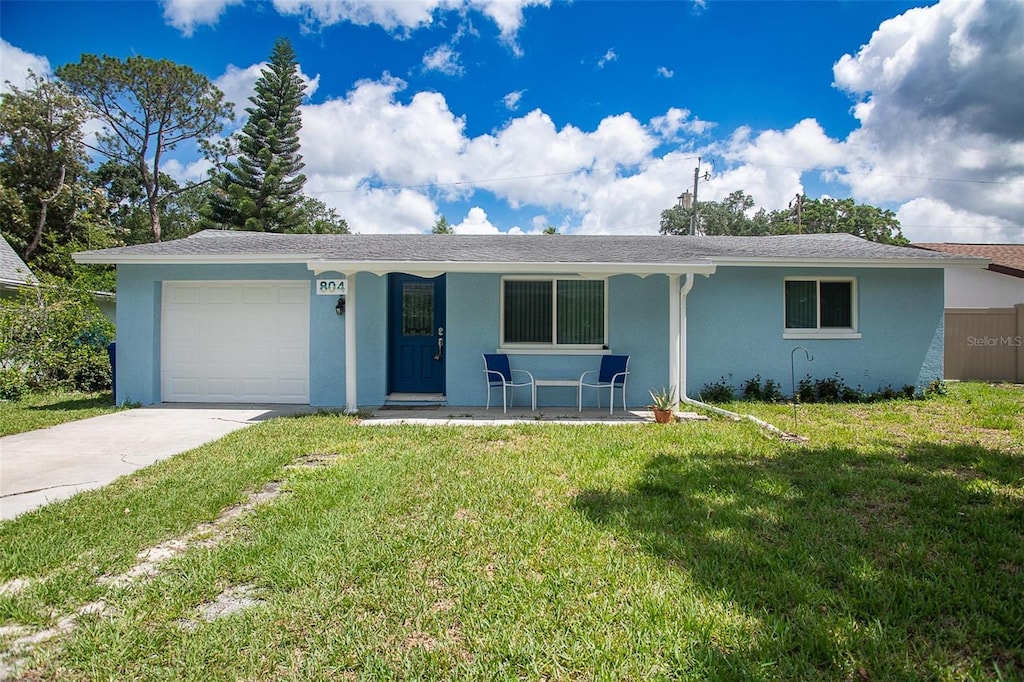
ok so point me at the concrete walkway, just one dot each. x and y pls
(478, 416)
(39, 467)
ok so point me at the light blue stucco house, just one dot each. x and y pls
(353, 320)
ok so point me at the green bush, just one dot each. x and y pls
(752, 388)
(55, 337)
(769, 392)
(12, 384)
(92, 373)
(717, 392)
(833, 389)
(936, 387)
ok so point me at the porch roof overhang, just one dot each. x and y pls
(435, 268)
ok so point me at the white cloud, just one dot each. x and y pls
(609, 56)
(617, 178)
(389, 14)
(666, 72)
(422, 147)
(402, 211)
(444, 59)
(933, 220)
(937, 101)
(186, 15)
(507, 14)
(512, 99)
(476, 222)
(186, 173)
(405, 16)
(238, 85)
(675, 122)
(398, 144)
(15, 65)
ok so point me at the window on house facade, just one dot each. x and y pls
(821, 307)
(552, 312)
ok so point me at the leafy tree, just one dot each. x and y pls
(42, 159)
(676, 220)
(550, 229)
(845, 215)
(319, 218)
(262, 189)
(147, 108)
(809, 216)
(442, 226)
(180, 208)
(728, 216)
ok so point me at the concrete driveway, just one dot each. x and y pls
(39, 467)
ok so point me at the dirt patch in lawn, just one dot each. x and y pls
(22, 639)
(204, 535)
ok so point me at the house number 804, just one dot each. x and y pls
(330, 287)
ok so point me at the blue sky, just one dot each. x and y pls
(512, 115)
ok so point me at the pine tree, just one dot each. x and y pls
(262, 190)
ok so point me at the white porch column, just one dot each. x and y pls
(674, 341)
(351, 401)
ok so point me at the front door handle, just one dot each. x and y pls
(440, 349)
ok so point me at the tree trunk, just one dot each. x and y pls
(44, 205)
(149, 181)
(154, 217)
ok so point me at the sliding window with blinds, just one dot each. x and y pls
(553, 312)
(821, 304)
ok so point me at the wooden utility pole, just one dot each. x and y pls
(799, 213)
(693, 216)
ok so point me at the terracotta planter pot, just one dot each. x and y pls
(663, 416)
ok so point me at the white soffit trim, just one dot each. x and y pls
(433, 268)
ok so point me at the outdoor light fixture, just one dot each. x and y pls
(340, 307)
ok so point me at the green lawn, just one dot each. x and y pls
(890, 546)
(40, 410)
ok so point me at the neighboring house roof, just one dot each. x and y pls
(423, 252)
(13, 271)
(1007, 259)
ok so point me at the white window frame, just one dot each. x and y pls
(820, 332)
(554, 346)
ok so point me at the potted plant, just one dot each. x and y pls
(663, 405)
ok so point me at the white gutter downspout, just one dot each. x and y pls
(351, 401)
(675, 329)
(680, 310)
(681, 363)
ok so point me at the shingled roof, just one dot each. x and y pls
(1007, 259)
(216, 246)
(13, 271)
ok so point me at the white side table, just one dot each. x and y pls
(565, 383)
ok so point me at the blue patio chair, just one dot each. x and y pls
(499, 374)
(612, 374)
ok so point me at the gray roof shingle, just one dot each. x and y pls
(12, 269)
(430, 248)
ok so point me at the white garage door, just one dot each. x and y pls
(244, 342)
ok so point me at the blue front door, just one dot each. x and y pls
(416, 352)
